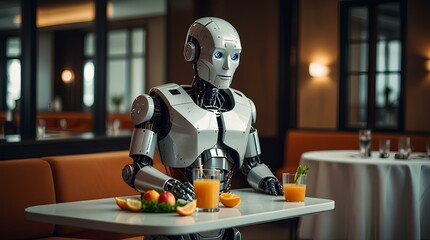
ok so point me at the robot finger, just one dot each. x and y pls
(188, 191)
(271, 186)
(266, 186)
(273, 189)
(189, 188)
(279, 189)
(183, 191)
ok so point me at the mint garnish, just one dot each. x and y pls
(301, 170)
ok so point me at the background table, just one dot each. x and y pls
(104, 214)
(375, 198)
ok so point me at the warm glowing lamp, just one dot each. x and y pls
(318, 70)
(67, 76)
(428, 65)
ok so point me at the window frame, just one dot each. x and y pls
(343, 122)
(128, 57)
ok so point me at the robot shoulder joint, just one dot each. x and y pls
(142, 109)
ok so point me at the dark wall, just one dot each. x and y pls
(69, 54)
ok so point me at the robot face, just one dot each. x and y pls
(219, 50)
(222, 65)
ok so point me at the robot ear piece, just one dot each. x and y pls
(190, 52)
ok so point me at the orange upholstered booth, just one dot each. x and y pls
(55, 179)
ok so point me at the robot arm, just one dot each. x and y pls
(258, 174)
(141, 175)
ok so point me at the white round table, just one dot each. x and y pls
(375, 198)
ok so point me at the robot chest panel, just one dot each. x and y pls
(236, 128)
(195, 130)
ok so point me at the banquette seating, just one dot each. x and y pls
(56, 179)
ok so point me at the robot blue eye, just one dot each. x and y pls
(235, 56)
(218, 55)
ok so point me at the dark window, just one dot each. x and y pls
(371, 92)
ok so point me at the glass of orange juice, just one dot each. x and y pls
(294, 188)
(206, 189)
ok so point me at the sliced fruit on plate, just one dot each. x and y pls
(229, 199)
(121, 202)
(133, 204)
(188, 209)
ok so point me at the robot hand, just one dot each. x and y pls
(271, 186)
(180, 190)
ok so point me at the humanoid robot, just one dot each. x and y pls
(206, 123)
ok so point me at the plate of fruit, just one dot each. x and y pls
(155, 202)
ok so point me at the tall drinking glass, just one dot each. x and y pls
(206, 189)
(365, 140)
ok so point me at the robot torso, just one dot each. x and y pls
(193, 130)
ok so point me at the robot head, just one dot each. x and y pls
(213, 46)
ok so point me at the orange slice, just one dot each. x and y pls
(229, 199)
(121, 202)
(133, 204)
(188, 209)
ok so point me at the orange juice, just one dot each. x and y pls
(206, 191)
(294, 192)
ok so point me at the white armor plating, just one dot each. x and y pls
(143, 142)
(195, 130)
(142, 109)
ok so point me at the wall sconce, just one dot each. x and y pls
(67, 76)
(318, 70)
(428, 65)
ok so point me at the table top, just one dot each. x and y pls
(352, 156)
(104, 214)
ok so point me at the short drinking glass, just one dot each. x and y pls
(294, 187)
(384, 148)
(404, 148)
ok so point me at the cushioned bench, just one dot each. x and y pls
(24, 183)
(89, 176)
(56, 179)
(299, 141)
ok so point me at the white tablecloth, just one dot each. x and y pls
(375, 198)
